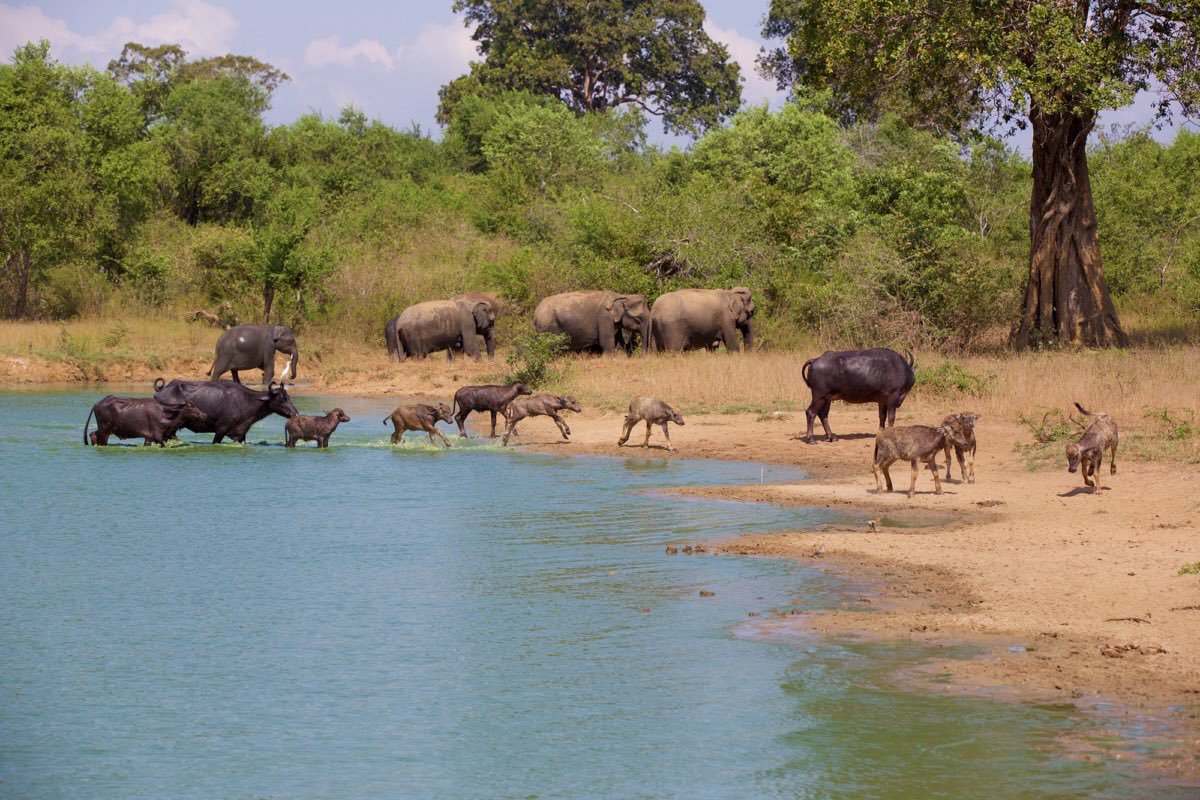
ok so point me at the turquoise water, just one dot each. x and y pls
(370, 621)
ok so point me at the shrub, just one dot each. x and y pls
(531, 359)
(950, 378)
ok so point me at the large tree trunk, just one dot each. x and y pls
(1066, 299)
(20, 265)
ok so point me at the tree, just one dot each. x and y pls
(596, 55)
(1053, 64)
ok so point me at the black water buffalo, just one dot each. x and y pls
(139, 418)
(878, 376)
(231, 408)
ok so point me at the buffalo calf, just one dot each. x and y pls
(139, 418)
(964, 424)
(419, 417)
(653, 412)
(545, 405)
(490, 397)
(1087, 454)
(914, 443)
(302, 428)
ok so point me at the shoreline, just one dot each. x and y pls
(1075, 597)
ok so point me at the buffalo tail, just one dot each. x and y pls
(89, 422)
(804, 372)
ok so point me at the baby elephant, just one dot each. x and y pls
(1088, 452)
(543, 405)
(912, 443)
(964, 425)
(654, 412)
(419, 417)
(303, 428)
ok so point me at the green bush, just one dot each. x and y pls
(949, 378)
(532, 357)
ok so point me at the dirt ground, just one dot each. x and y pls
(1077, 592)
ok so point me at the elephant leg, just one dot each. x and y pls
(489, 340)
(667, 436)
(269, 370)
(234, 373)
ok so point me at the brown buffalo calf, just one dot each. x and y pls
(304, 428)
(419, 417)
(489, 397)
(913, 443)
(140, 418)
(1087, 454)
(539, 405)
(654, 412)
(964, 425)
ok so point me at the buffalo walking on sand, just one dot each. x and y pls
(139, 418)
(419, 417)
(654, 412)
(1087, 454)
(878, 376)
(914, 443)
(545, 405)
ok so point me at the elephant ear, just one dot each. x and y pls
(616, 308)
(280, 331)
(740, 304)
(483, 315)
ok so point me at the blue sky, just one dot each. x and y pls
(388, 58)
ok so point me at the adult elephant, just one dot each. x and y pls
(484, 321)
(439, 325)
(695, 319)
(254, 347)
(593, 321)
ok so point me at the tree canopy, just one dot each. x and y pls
(596, 55)
(1053, 63)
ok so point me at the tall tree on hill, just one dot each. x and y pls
(596, 55)
(1053, 64)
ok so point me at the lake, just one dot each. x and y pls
(375, 621)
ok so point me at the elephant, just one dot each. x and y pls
(600, 320)
(695, 319)
(485, 322)
(253, 347)
(440, 325)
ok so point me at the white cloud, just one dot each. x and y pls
(200, 28)
(744, 51)
(321, 52)
(437, 50)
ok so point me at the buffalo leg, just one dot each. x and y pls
(1112, 459)
(947, 452)
(460, 418)
(1096, 467)
(562, 426)
(291, 442)
(887, 474)
(667, 436)
(625, 432)
(646, 441)
(937, 481)
(823, 413)
(912, 483)
(878, 473)
(493, 433)
(883, 414)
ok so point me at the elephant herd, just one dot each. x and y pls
(593, 321)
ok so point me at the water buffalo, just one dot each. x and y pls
(654, 412)
(489, 397)
(1087, 455)
(301, 428)
(139, 418)
(857, 376)
(545, 405)
(231, 408)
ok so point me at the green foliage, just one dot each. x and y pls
(1190, 569)
(598, 55)
(949, 378)
(531, 359)
(1049, 425)
(1173, 425)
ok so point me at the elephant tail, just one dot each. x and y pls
(804, 372)
(88, 423)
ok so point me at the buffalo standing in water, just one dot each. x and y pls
(139, 418)
(230, 407)
(878, 376)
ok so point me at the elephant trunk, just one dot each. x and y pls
(645, 331)
(291, 367)
(748, 335)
